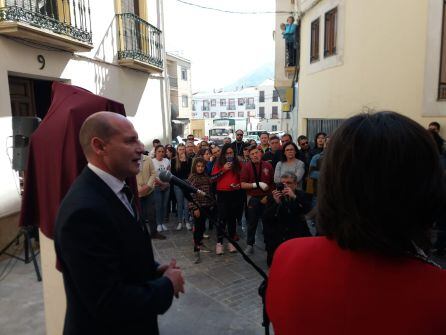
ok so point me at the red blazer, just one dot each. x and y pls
(317, 288)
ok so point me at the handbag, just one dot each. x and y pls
(310, 186)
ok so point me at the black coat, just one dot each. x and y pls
(107, 264)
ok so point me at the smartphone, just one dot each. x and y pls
(229, 159)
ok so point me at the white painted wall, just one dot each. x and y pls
(383, 64)
(143, 95)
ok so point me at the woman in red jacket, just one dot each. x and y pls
(226, 172)
(381, 186)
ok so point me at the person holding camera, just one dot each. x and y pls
(256, 178)
(284, 215)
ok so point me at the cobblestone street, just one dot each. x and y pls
(221, 292)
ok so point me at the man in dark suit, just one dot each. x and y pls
(112, 283)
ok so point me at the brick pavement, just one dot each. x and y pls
(221, 293)
(226, 280)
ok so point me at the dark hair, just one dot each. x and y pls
(195, 162)
(202, 151)
(364, 204)
(222, 159)
(274, 137)
(302, 137)
(284, 159)
(435, 124)
(159, 146)
(289, 135)
(290, 17)
(155, 141)
(317, 135)
(251, 147)
(264, 133)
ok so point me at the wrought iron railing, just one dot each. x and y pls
(250, 106)
(230, 107)
(65, 17)
(139, 40)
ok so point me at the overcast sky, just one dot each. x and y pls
(222, 47)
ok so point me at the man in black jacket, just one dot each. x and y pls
(112, 283)
(283, 218)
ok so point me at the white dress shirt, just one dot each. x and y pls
(114, 183)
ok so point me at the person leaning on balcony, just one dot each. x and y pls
(289, 34)
(371, 274)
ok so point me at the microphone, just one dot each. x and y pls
(168, 177)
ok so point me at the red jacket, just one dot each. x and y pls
(265, 173)
(317, 288)
(226, 179)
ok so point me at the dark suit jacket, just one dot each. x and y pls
(107, 263)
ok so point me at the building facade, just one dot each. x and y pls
(259, 106)
(111, 48)
(180, 88)
(350, 63)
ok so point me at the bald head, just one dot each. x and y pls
(101, 125)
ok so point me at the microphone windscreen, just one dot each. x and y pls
(165, 176)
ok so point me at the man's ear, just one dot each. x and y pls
(97, 145)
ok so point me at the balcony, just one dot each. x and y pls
(230, 107)
(61, 24)
(250, 106)
(140, 44)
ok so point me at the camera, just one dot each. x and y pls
(229, 159)
(280, 187)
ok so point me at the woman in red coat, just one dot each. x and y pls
(381, 186)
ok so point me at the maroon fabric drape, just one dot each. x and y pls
(55, 155)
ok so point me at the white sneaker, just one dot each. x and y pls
(180, 226)
(159, 228)
(188, 226)
(231, 248)
(164, 227)
(219, 249)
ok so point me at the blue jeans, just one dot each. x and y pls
(182, 205)
(161, 199)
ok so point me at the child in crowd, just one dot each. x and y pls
(202, 206)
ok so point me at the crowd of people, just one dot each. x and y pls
(266, 181)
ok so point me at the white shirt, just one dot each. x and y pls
(114, 183)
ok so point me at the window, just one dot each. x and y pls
(206, 115)
(314, 50)
(274, 128)
(442, 84)
(262, 96)
(223, 114)
(241, 114)
(184, 73)
(213, 114)
(185, 101)
(330, 33)
(193, 104)
(250, 103)
(213, 102)
(275, 96)
(275, 113)
(262, 112)
(252, 113)
(241, 101)
(205, 106)
(231, 105)
(222, 102)
(231, 114)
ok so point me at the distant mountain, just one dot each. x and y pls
(254, 78)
